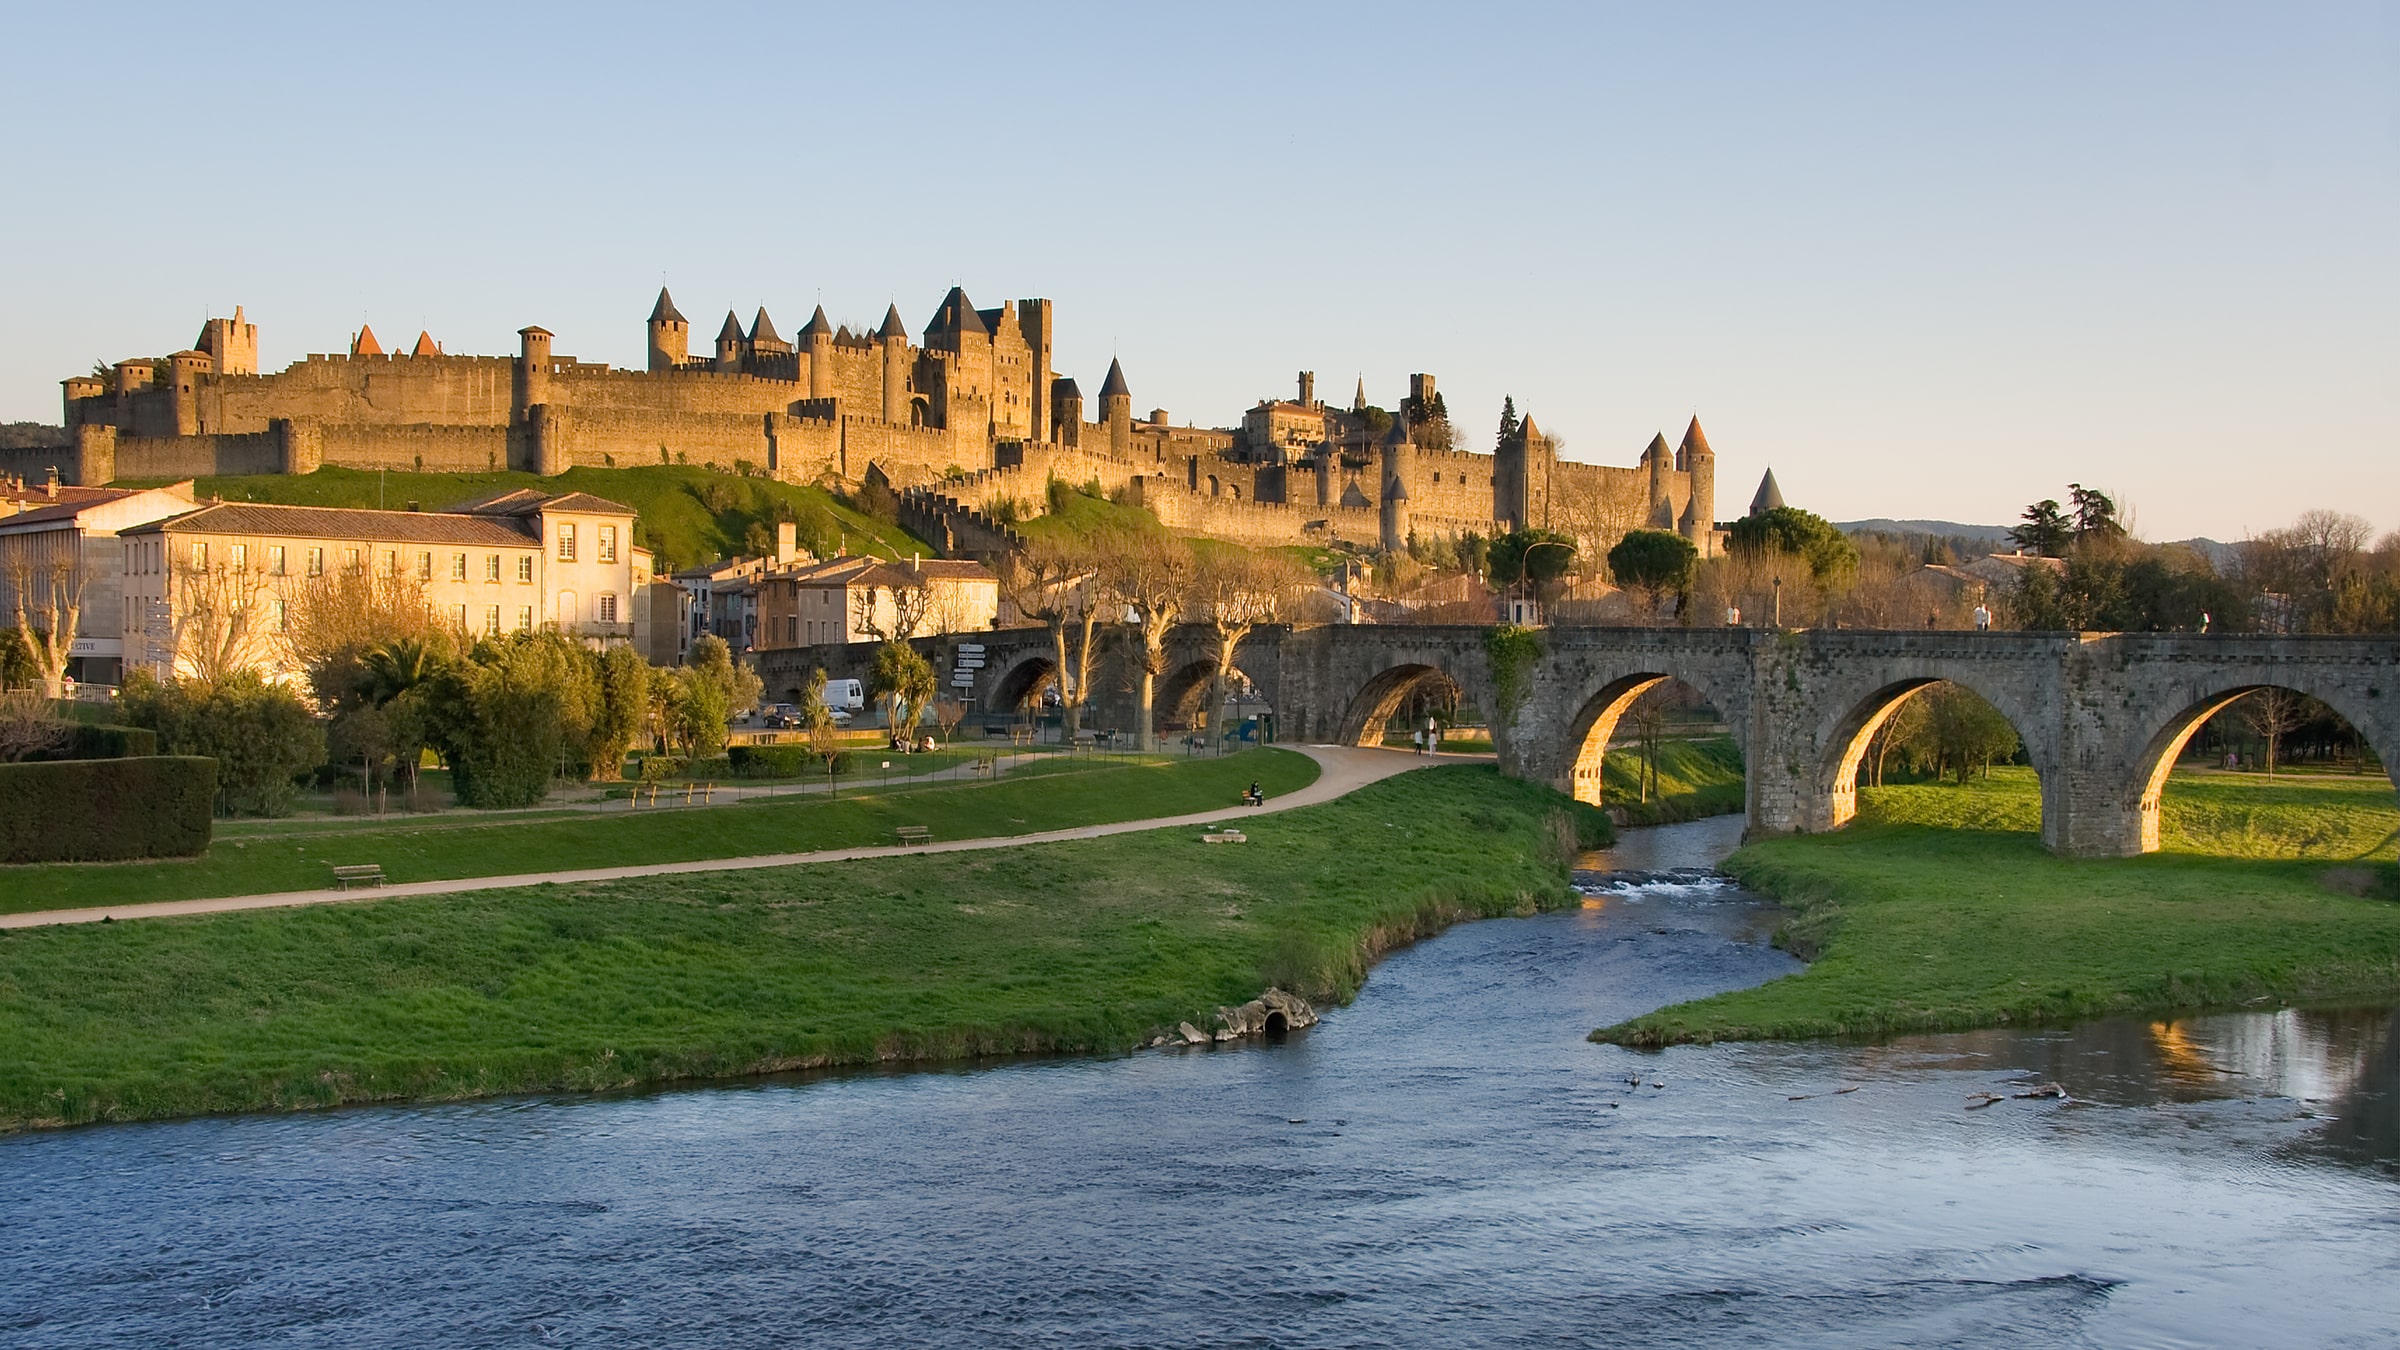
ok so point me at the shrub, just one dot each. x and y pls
(660, 768)
(92, 810)
(772, 761)
(261, 735)
(93, 741)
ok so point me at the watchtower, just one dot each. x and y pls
(670, 335)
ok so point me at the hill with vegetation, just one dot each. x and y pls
(688, 515)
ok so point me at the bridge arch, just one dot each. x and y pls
(2159, 743)
(1183, 691)
(1021, 684)
(1372, 708)
(1596, 722)
(1860, 715)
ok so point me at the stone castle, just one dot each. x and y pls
(969, 421)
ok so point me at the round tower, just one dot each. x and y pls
(1700, 513)
(893, 339)
(670, 336)
(1116, 409)
(1399, 470)
(817, 340)
(729, 343)
(1659, 461)
(183, 389)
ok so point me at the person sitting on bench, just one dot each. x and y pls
(1254, 797)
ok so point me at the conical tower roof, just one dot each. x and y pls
(1769, 496)
(1398, 433)
(892, 326)
(1114, 385)
(664, 311)
(762, 328)
(1657, 448)
(1358, 401)
(957, 315)
(426, 346)
(1695, 442)
(1528, 430)
(732, 331)
(1065, 387)
(816, 324)
(365, 344)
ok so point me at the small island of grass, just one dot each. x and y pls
(1939, 910)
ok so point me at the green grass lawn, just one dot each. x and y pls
(1081, 947)
(1696, 778)
(1939, 909)
(1023, 802)
(688, 515)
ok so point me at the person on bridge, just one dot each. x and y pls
(1983, 619)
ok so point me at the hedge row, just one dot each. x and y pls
(91, 741)
(93, 810)
(783, 761)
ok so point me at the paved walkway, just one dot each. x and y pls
(1342, 770)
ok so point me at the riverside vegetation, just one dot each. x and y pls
(1083, 947)
(1938, 909)
(1037, 796)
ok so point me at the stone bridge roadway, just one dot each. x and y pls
(2102, 715)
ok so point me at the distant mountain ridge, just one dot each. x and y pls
(1996, 537)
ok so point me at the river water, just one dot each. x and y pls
(1445, 1163)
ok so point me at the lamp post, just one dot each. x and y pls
(1525, 563)
(1776, 615)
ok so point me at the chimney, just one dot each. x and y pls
(787, 542)
(50, 488)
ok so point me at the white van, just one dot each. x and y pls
(846, 695)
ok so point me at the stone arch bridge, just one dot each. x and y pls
(2102, 715)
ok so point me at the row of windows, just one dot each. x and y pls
(604, 604)
(278, 562)
(607, 547)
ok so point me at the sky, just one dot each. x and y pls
(1924, 261)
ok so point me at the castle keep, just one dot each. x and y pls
(964, 417)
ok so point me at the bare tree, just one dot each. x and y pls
(46, 583)
(225, 620)
(1054, 582)
(332, 622)
(948, 713)
(912, 606)
(1905, 724)
(1152, 578)
(2273, 714)
(1233, 593)
(29, 726)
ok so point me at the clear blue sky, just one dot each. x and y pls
(1924, 260)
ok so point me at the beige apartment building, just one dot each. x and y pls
(224, 578)
(867, 599)
(62, 561)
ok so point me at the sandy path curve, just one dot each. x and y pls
(1341, 770)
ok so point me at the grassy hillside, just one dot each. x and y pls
(688, 515)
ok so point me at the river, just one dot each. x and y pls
(1445, 1163)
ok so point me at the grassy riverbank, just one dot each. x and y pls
(1939, 909)
(1696, 778)
(1079, 947)
(1032, 798)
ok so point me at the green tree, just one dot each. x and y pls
(2046, 531)
(1653, 563)
(1510, 427)
(518, 712)
(261, 735)
(623, 706)
(904, 680)
(1540, 557)
(1960, 733)
(2095, 513)
(1829, 552)
(713, 660)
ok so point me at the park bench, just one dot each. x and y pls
(913, 835)
(981, 768)
(1225, 837)
(357, 874)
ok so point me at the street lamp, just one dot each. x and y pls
(1525, 563)
(1776, 615)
